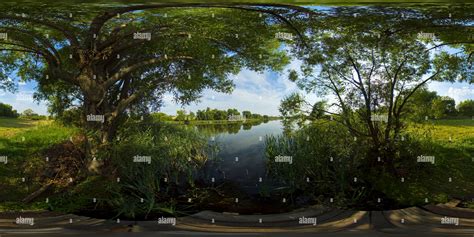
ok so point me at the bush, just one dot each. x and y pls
(175, 154)
(70, 117)
(7, 111)
(324, 153)
(31, 115)
(466, 108)
(329, 156)
(160, 116)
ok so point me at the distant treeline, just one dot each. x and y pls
(427, 103)
(7, 110)
(211, 114)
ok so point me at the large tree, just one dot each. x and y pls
(118, 61)
(373, 60)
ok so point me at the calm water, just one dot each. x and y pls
(240, 157)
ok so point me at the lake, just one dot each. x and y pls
(240, 158)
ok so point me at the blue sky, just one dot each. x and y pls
(23, 98)
(257, 92)
(262, 93)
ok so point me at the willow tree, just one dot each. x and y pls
(372, 60)
(117, 61)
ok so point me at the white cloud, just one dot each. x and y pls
(460, 94)
(457, 91)
(257, 92)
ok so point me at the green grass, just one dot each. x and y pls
(22, 142)
(451, 142)
(11, 126)
(170, 146)
(456, 129)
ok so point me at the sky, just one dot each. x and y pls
(262, 92)
(257, 92)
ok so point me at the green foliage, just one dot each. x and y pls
(23, 148)
(196, 48)
(175, 154)
(180, 115)
(30, 114)
(443, 107)
(160, 116)
(7, 111)
(319, 110)
(80, 198)
(323, 152)
(247, 114)
(292, 109)
(420, 105)
(466, 108)
(216, 114)
(372, 64)
(449, 141)
(70, 117)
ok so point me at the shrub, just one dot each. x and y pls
(7, 111)
(324, 153)
(330, 157)
(175, 154)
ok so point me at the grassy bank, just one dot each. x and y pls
(175, 154)
(22, 141)
(317, 152)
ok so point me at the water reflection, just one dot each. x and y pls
(212, 129)
(240, 156)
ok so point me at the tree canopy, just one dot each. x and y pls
(114, 61)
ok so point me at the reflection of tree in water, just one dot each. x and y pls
(231, 128)
(246, 126)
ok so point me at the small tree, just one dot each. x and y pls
(28, 113)
(466, 108)
(180, 115)
(443, 107)
(7, 110)
(247, 114)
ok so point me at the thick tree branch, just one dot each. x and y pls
(127, 70)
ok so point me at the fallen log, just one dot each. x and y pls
(36, 193)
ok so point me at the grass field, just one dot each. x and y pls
(452, 145)
(454, 129)
(10, 126)
(21, 141)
